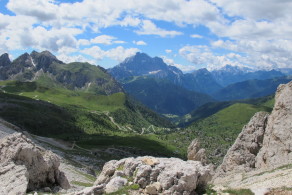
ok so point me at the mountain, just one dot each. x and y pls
(45, 67)
(165, 97)
(286, 71)
(141, 64)
(4, 60)
(201, 81)
(233, 74)
(250, 89)
(85, 89)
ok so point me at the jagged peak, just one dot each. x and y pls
(4, 60)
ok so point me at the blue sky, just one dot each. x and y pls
(189, 34)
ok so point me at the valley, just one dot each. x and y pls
(148, 112)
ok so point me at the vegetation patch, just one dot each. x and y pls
(83, 184)
(239, 191)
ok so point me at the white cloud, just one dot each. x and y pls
(95, 52)
(260, 30)
(149, 28)
(168, 50)
(119, 53)
(139, 43)
(202, 56)
(256, 10)
(43, 10)
(261, 53)
(106, 40)
(196, 36)
(83, 42)
(184, 68)
(76, 58)
(130, 21)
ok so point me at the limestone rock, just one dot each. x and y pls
(158, 175)
(115, 184)
(241, 156)
(31, 165)
(95, 190)
(13, 178)
(196, 153)
(277, 143)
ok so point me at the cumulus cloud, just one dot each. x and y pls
(168, 50)
(106, 40)
(184, 68)
(76, 58)
(139, 43)
(261, 53)
(149, 28)
(258, 31)
(196, 36)
(202, 56)
(119, 53)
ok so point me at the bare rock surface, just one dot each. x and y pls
(31, 165)
(277, 143)
(196, 153)
(155, 175)
(241, 156)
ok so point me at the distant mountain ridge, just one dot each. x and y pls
(165, 97)
(200, 80)
(233, 74)
(44, 65)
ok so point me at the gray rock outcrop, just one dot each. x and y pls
(196, 153)
(27, 167)
(241, 156)
(277, 143)
(154, 175)
(265, 142)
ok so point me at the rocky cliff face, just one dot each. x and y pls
(25, 166)
(277, 143)
(265, 142)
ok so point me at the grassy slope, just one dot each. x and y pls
(90, 130)
(218, 131)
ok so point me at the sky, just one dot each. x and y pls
(189, 34)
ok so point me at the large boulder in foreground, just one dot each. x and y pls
(154, 175)
(277, 143)
(25, 166)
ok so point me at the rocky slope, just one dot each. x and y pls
(27, 167)
(150, 175)
(263, 146)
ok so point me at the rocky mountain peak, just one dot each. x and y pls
(43, 60)
(141, 63)
(4, 60)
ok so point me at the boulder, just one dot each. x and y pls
(115, 184)
(157, 175)
(196, 153)
(32, 166)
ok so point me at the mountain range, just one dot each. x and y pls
(167, 90)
